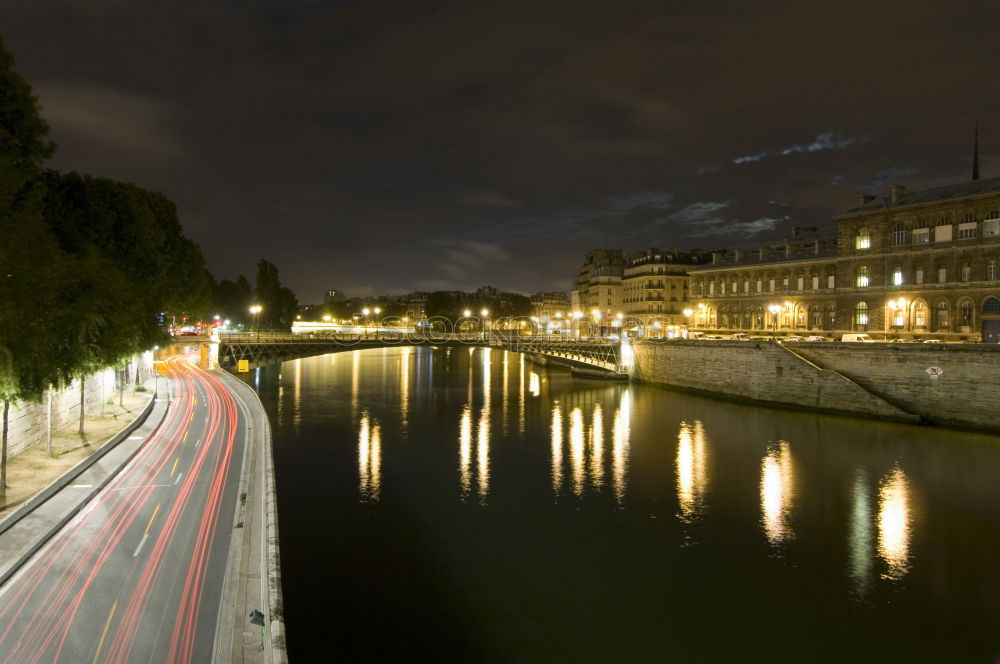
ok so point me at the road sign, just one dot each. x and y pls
(243, 366)
(934, 372)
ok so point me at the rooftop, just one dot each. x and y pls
(904, 197)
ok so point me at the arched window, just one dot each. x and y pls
(746, 317)
(800, 316)
(991, 306)
(966, 272)
(965, 314)
(942, 315)
(831, 316)
(919, 315)
(861, 276)
(861, 313)
(898, 235)
(815, 317)
(724, 316)
(863, 238)
(759, 324)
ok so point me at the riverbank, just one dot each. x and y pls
(943, 384)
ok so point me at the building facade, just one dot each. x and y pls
(905, 264)
(655, 285)
(598, 286)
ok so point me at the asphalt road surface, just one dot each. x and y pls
(137, 575)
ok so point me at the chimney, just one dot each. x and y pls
(895, 193)
(865, 200)
(739, 255)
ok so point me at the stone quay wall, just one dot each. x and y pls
(887, 381)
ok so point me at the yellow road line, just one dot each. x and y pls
(175, 466)
(100, 644)
(185, 437)
(150, 524)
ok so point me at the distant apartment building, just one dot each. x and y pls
(655, 285)
(550, 305)
(598, 286)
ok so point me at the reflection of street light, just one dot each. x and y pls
(255, 310)
(326, 318)
(774, 309)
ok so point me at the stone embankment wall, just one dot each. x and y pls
(877, 380)
(28, 422)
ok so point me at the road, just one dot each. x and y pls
(137, 575)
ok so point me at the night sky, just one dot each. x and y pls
(382, 147)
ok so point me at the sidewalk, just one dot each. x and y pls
(26, 528)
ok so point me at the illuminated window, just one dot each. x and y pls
(815, 282)
(861, 313)
(816, 316)
(897, 277)
(942, 232)
(918, 275)
(991, 269)
(919, 315)
(942, 275)
(921, 235)
(831, 316)
(863, 239)
(966, 272)
(861, 276)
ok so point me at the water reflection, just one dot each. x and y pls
(369, 459)
(404, 386)
(483, 439)
(520, 397)
(576, 449)
(894, 524)
(860, 537)
(620, 444)
(534, 384)
(776, 489)
(692, 471)
(355, 380)
(597, 447)
(465, 450)
(557, 438)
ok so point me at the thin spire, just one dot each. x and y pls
(975, 154)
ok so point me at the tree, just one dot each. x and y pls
(278, 304)
(28, 253)
(441, 303)
(232, 300)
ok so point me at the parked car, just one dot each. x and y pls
(933, 341)
(794, 337)
(711, 336)
(740, 336)
(817, 337)
(857, 337)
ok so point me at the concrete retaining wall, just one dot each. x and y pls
(28, 422)
(876, 380)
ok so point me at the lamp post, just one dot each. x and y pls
(597, 320)
(485, 314)
(687, 320)
(378, 322)
(255, 310)
(774, 309)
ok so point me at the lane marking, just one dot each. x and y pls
(178, 479)
(150, 524)
(100, 644)
(141, 542)
(185, 437)
(80, 486)
(175, 466)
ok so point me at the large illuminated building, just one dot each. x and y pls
(920, 263)
(655, 285)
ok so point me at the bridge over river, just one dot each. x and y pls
(593, 356)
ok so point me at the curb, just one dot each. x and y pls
(271, 574)
(29, 506)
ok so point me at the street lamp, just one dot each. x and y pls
(255, 310)
(485, 314)
(687, 320)
(774, 309)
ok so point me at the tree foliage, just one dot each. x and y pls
(278, 303)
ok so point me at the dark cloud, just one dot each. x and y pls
(386, 146)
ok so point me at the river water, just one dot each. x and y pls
(467, 505)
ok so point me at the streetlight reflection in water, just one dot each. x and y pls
(369, 459)
(692, 470)
(777, 483)
(894, 524)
